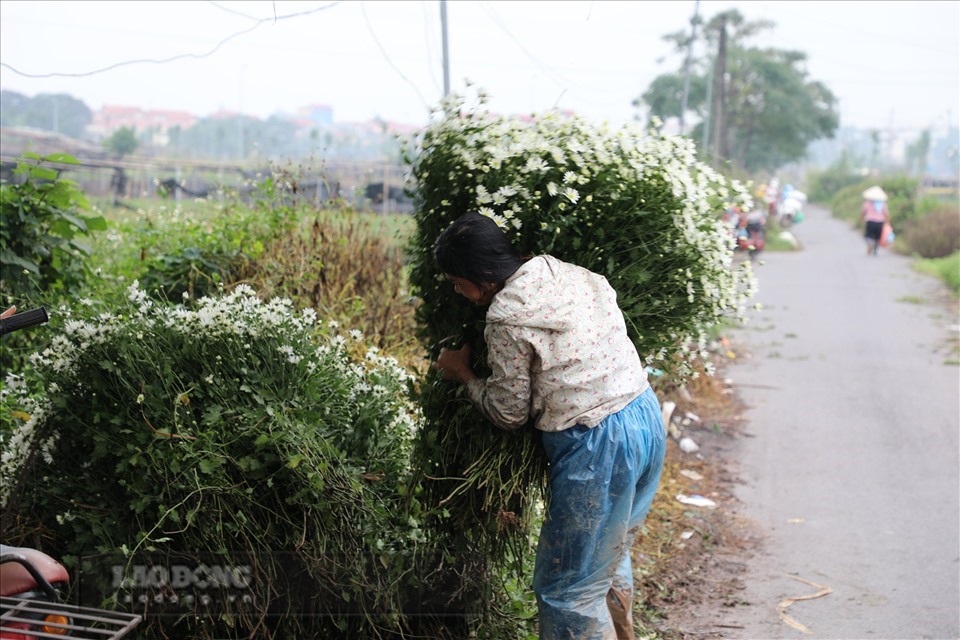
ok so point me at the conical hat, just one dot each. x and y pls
(874, 193)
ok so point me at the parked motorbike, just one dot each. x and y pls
(33, 584)
(750, 230)
(23, 320)
(32, 587)
(790, 210)
(752, 238)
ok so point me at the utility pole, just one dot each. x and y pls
(718, 107)
(705, 139)
(686, 65)
(240, 141)
(446, 49)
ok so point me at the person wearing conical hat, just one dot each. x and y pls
(874, 214)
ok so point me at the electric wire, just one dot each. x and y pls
(546, 71)
(260, 22)
(428, 38)
(386, 56)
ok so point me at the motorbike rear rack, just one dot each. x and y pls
(83, 622)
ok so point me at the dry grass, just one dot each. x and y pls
(681, 557)
(350, 271)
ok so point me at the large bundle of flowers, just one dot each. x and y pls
(233, 433)
(635, 206)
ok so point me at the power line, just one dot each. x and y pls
(429, 39)
(537, 63)
(240, 13)
(260, 22)
(386, 56)
(543, 69)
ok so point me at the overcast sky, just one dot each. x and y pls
(892, 64)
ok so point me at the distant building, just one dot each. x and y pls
(315, 114)
(156, 123)
(315, 133)
(224, 114)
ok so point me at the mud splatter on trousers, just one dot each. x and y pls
(602, 483)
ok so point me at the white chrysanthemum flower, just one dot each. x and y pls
(135, 294)
(535, 165)
(483, 196)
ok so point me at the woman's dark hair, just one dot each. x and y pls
(475, 248)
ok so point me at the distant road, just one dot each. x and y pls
(852, 473)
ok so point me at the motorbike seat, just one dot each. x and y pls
(15, 578)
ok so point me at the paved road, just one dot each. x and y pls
(852, 470)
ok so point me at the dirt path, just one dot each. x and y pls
(846, 465)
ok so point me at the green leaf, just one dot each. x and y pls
(43, 173)
(208, 466)
(96, 223)
(212, 414)
(62, 158)
(76, 221)
(9, 258)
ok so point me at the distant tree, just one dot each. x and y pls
(665, 95)
(58, 112)
(274, 137)
(12, 105)
(918, 152)
(944, 157)
(874, 149)
(175, 134)
(239, 137)
(208, 138)
(772, 111)
(122, 142)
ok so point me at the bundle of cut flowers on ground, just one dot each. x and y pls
(635, 206)
(231, 433)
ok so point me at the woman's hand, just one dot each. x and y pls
(9, 312)
(454, 364)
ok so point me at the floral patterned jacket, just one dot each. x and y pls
(558, 350)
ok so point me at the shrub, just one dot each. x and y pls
(901, 193)
(823, 185)
(236, 430)
(43, 220)
(935, 235)
(345, 270)
(176, 252)
(946, 268)
(640, 210)
(191, 272)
